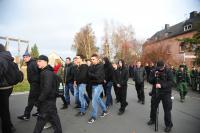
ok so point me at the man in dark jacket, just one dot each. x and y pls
(33, 77)
(96, 77)
(68, 79)
(139, 74)
(120, 78)
(162, 80)
(194, 80)
(5, 91)
(47, 97)
(108, 82)
(81, 79)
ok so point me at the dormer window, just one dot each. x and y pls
(188, 27)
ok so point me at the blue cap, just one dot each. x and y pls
(26, 53)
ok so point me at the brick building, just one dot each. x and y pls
(168, 39)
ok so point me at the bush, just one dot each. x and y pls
(21, 87)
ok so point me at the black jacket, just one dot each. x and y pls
(121, 76)
(108, 69)
(68, 73)
(33, 73)
(96, 74)
(5, 56)
(81, 76)
(47, 85)
(165, 78)
(139, 74)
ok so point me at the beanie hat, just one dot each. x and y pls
(43, 57)
(26, 53)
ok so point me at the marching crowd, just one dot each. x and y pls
(89, 80)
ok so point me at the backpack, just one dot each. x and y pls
(13, 75)
(59, 86)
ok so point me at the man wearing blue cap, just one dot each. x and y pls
(33, 77)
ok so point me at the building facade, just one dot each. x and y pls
(169, 40)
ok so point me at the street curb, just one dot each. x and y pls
(19, 93)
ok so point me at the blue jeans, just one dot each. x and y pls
(96, 100)
(82, 95)
(108, 87)
(68, 87)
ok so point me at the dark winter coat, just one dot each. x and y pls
(139, 74)
(33, 73)
(5, 56)
(81, 76)
(96, 74)
(47, 85)
(164, 77)
(121, 76)
(108, 69)
(69, 73)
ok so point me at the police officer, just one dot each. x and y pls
(194, 78)
(33, 77)
(47, 98)
(162, 80)
(182, 78)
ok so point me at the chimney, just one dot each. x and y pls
(193, 14)
(166, 26)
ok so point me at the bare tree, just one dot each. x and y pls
(84, 41)
(124, 43)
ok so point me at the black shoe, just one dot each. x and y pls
(80, 114)
(126, 105)
(150, 122)
(104, 113)
(13, 129)
(168, 129)
(121, 112)
(23, 117)
(91, 120)
(142, 102)
(64, 107)
(35, 114)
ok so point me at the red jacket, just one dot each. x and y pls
(56, 68)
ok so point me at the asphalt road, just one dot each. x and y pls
(185, 116)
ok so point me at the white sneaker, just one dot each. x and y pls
(47, 125)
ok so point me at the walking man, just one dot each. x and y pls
(121, 79)
(47, 98)
(96, 76)
(139, 74)
(33, 77)
(81, 79)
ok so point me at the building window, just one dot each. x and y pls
(188, 27)
(182, 47)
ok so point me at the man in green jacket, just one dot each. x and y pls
(182, 79)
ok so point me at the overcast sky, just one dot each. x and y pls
(52, 24)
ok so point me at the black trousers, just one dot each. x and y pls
(140, 90)
(122, 97)
(167, 106)
(4, 110)
(32, 98)
(48, 113)
(194, 84)
(116, 90)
